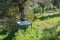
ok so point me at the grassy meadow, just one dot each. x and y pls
(45, 27)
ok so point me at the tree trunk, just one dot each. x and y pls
(42, 9)
(21, 11)
(59, 4)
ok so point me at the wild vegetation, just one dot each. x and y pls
(43, 14)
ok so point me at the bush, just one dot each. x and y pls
(37, 9)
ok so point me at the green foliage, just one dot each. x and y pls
(41, 30)
(37, 34)
(29, 15)
(37, 9)
(11, 15)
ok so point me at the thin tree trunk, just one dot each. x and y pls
(42, 9)
(59, 4)
(21, 11)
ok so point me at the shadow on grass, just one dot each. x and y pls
(11, 35)
(49, 16)
(3, 32)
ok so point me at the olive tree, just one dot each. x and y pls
(8, 19)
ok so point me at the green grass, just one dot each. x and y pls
(39, 28)
(3, 36)
(37, 32)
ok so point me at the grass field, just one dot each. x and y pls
(49, 22)
(43, 22)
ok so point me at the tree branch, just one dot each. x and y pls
(22, 2)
